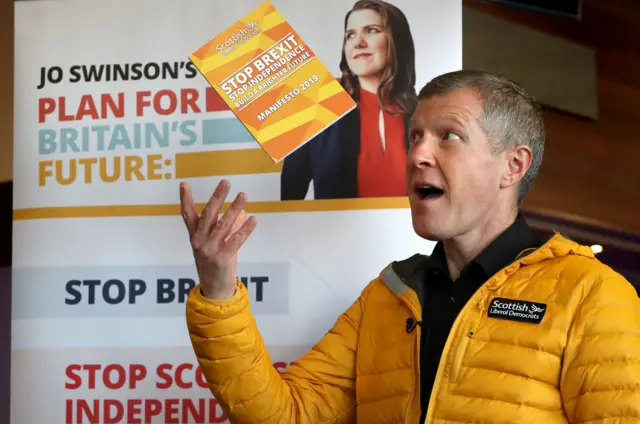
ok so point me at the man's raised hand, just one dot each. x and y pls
(215, 243)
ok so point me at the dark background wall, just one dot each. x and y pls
(591, 167)
(6, 206)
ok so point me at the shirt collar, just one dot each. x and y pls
(500, 253)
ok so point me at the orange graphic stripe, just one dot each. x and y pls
(171, 210)
(224, 162)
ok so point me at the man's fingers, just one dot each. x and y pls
(187, 209)
(224, 227)
(210, 212)
(237, 224)
(238, 238)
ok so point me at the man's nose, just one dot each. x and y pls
(423, 152)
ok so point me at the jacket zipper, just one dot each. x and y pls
(415, 373)
(459, 354)
(410, 302)
(462, 350)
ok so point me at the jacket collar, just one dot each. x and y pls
(506, 248)
(399, 276)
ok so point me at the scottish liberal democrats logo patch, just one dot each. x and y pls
(517, 310)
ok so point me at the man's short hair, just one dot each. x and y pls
(511, 114)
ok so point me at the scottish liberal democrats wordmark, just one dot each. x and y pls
(141, 291)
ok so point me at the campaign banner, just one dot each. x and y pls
(120, 385)
(147, 290)
(272, 81)
(111, 115)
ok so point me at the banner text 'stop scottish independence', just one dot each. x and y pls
(272, 81)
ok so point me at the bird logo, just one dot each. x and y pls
(536, 309)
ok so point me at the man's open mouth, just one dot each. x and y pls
(428, 192)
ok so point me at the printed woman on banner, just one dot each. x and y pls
(364, 153)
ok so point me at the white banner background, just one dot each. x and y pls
(316, 263)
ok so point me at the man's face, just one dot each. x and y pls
(454, 181)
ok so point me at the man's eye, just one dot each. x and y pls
(451, 136)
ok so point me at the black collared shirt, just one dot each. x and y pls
(443, 299)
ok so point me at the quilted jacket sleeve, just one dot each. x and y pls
(318, 388)
(601, 375)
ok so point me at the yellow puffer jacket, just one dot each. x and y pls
(579, 364)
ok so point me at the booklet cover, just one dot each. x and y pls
(272, 81)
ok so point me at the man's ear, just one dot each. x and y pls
(519, 159)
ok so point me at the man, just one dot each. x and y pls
(491, 328)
